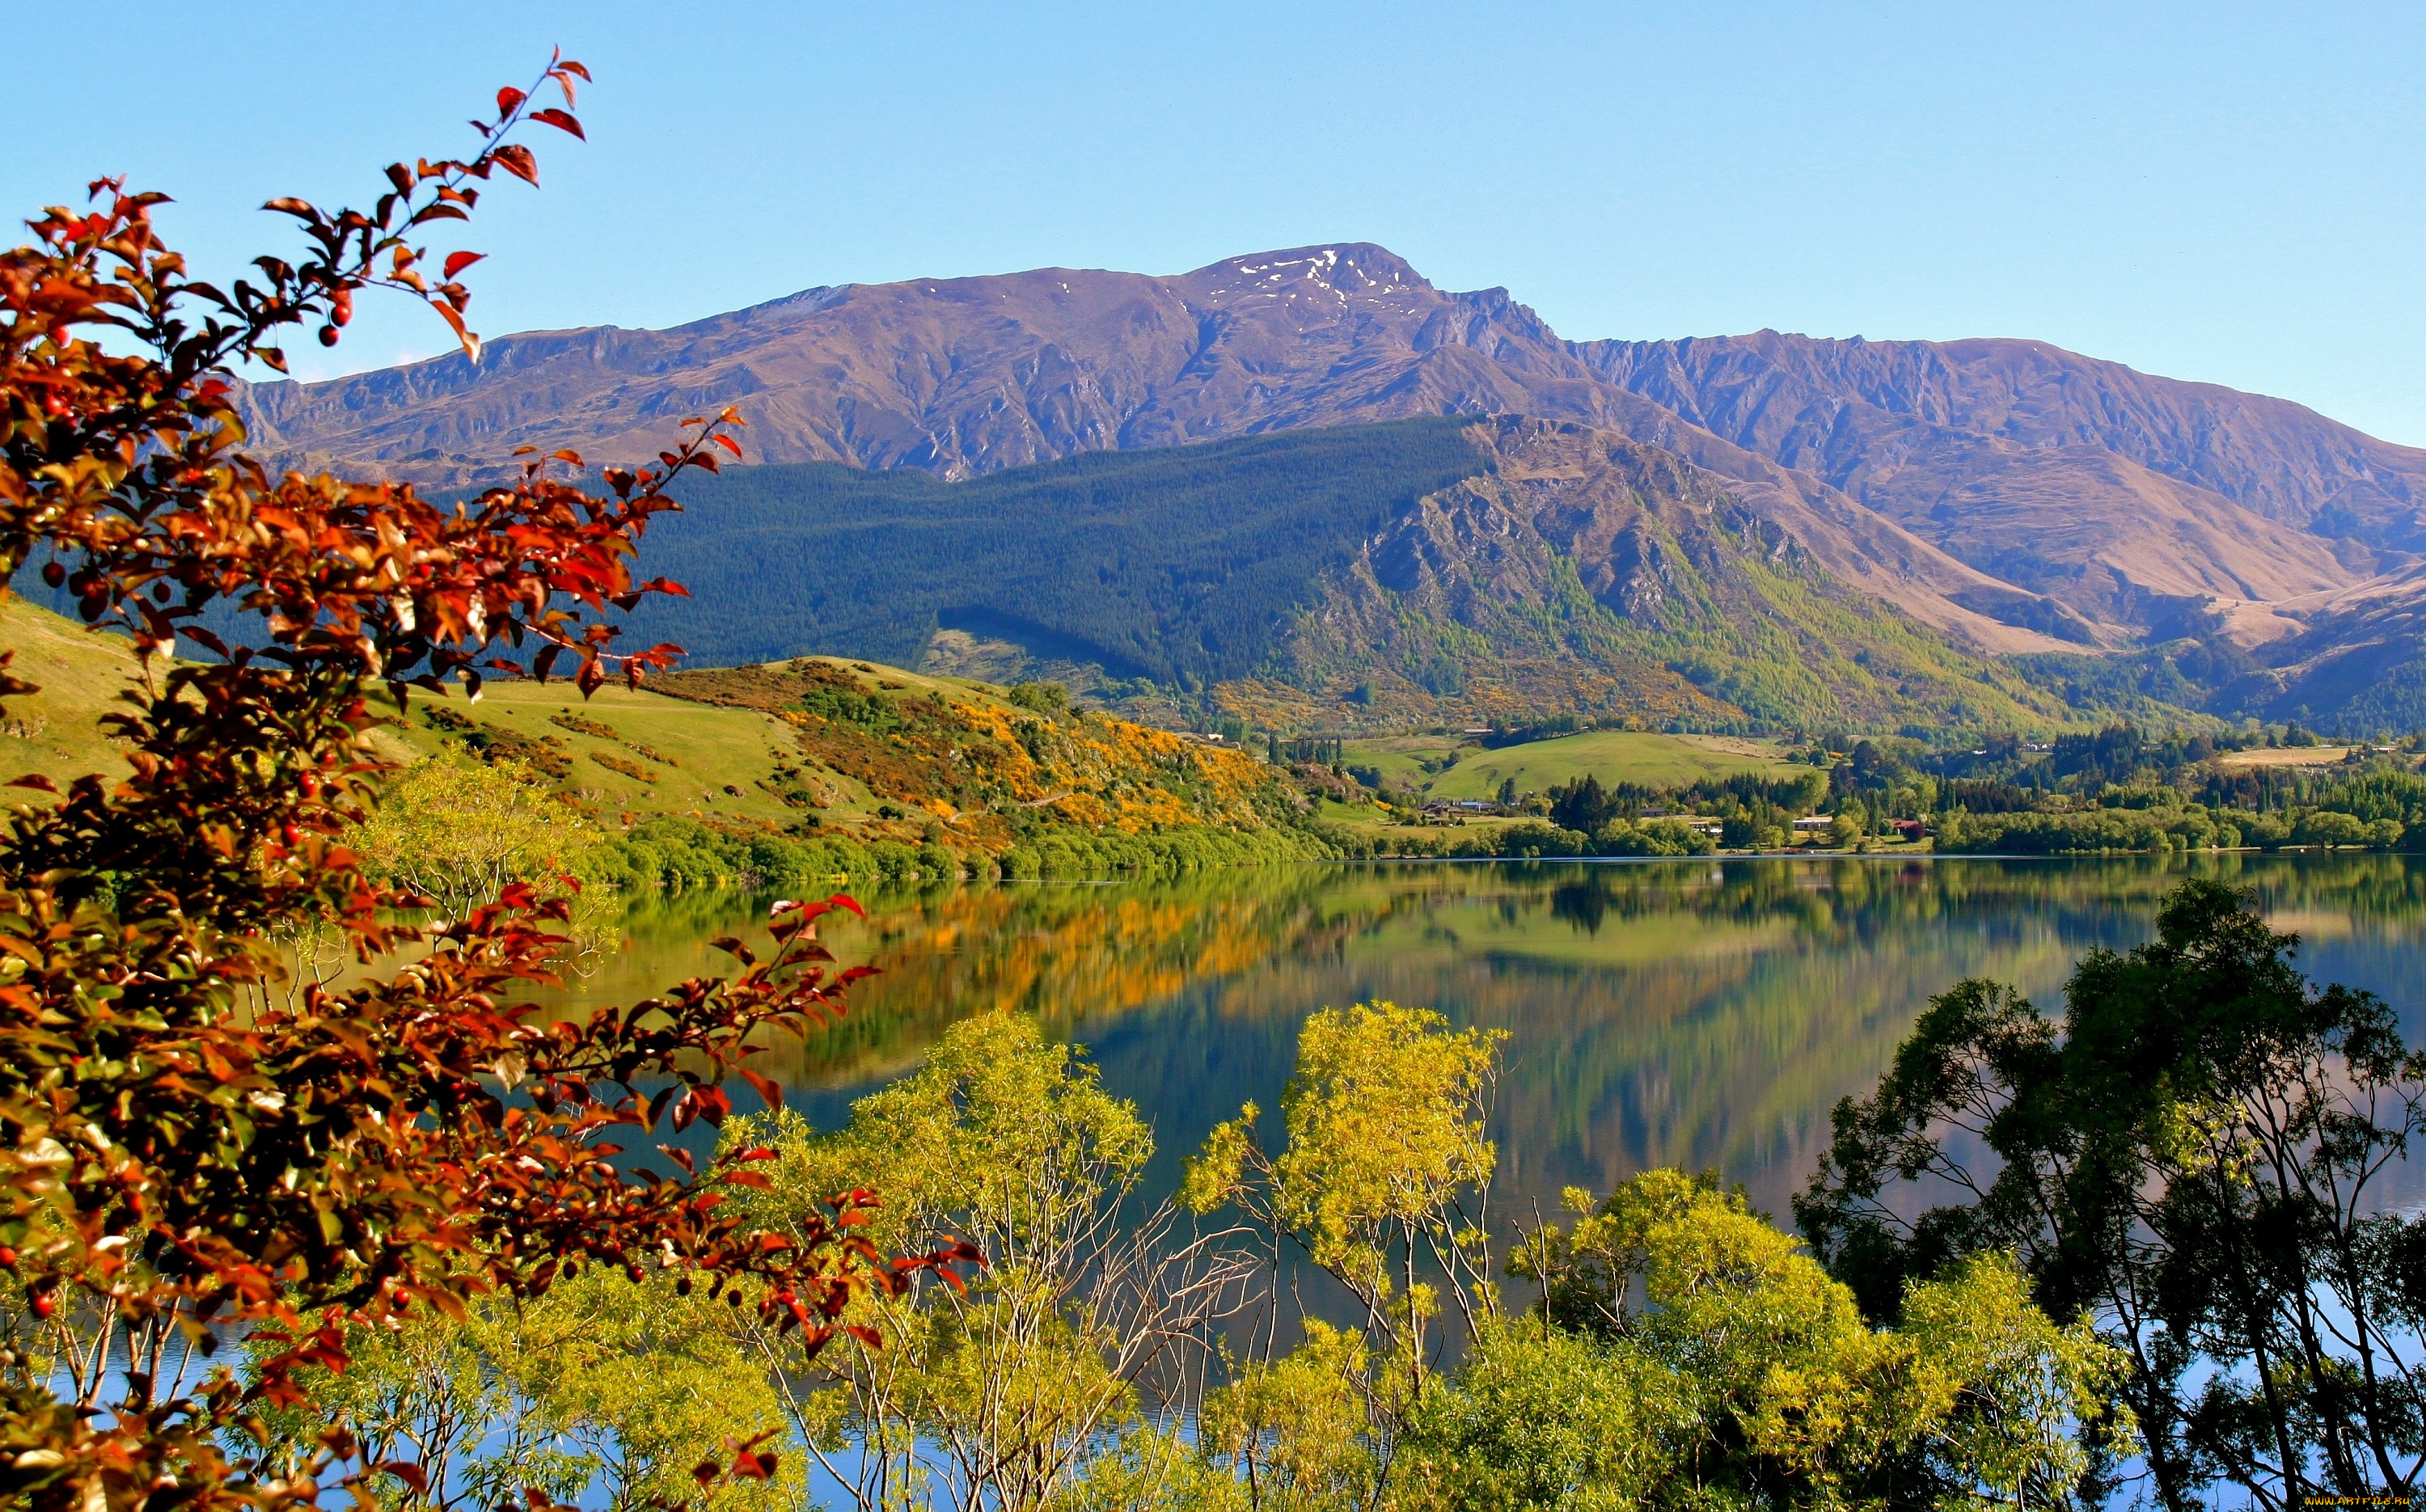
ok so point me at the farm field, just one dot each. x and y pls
(1417, 758)
(2285, 756)
(1377, 825)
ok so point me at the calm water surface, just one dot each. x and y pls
(1698, 1014)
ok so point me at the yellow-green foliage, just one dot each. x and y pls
(602, 1384)
(1297, 1429)
(1735, 1364)
(460, 831)
(1384, 1171)
(1385, 1120)
(1685, 1354)
(994, 1394)
(998, 1123)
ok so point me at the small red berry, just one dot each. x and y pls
(43, 1306)
(7, 1256)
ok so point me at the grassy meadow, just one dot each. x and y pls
(80, 673)
(644, 752)
(938, 773)
(57, 732)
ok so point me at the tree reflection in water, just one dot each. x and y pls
(1688, 1013)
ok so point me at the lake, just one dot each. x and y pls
(1701, 1013)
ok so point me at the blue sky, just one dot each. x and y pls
(2236, 194)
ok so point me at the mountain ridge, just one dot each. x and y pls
(2018, 497)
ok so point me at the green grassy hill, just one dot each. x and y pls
(1443, 766)
(1614, 756)
(631, 753)
(56, 731)
(852, 756)
(80, 674)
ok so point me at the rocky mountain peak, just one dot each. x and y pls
(1345, 269)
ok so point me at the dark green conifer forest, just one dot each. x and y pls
(1173, 564)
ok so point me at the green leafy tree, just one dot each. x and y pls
(1705, 1359)
(460, 832)
(1384, 1178)
(2196, 1154)
(999, 1392)
(1383, 1182)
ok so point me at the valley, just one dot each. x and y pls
(1042, 572)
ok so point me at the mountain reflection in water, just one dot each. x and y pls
(1698, 1014)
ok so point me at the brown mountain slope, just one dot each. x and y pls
(968, 376)
(963, 376)
(1777, 393)
(2127, 497)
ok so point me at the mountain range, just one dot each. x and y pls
(2047, 530)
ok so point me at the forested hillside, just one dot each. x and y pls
(1349, 577)
(1178, 565)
